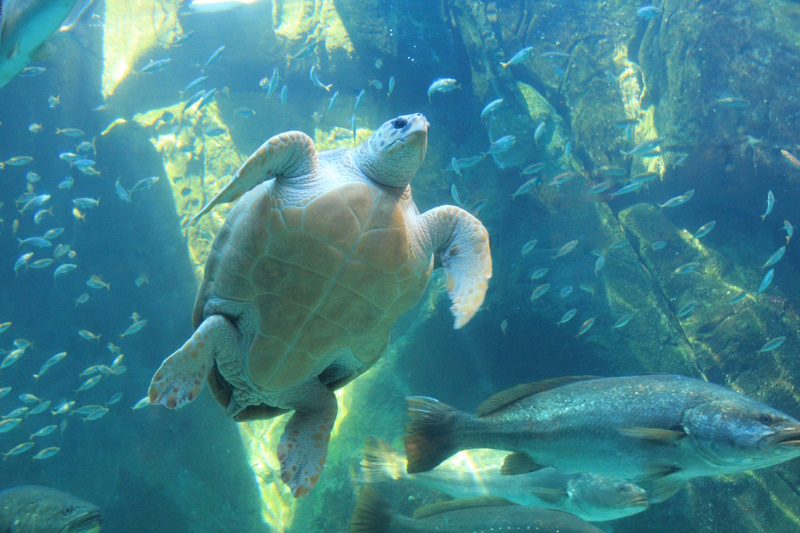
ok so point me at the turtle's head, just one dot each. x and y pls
(395, 151)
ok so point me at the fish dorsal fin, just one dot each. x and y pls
(548, 495)
(509, 396)
(462, 503)
(655, 435)
(518, 463)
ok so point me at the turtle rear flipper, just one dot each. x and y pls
(304, 443)
(181, 376)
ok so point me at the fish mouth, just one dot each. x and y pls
(789, 439)
(639, 501)
(91, 521)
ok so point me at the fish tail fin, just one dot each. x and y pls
(381, 462)
(430, 435)
(372, 514)
(504, 65)
(763, 217)
(328, 87)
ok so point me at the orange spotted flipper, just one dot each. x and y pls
(304, 443)
(182, 375)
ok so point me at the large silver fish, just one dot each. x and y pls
(25, 28)
(34, 508)
(659, 430)
(477, 473)
(488, 513)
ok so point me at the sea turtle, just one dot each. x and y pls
(307, 276)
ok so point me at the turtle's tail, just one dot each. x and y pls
(431, 435)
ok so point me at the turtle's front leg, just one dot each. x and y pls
(181, 377)
(304, 444)
(463, 246)
(286, 155)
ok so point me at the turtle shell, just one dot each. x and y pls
(333, 271)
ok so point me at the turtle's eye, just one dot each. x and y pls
(399, 123)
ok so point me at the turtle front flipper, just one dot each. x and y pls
(181, 376)
(304, 443)
(286, 155)
(463, 246)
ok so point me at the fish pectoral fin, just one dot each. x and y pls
(549, 495)
(462, 503)
(518, 463)
(655, 435)
(663, 488)
(13, 51)
(656, 472)
(46, 50)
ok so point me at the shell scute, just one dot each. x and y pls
(280, 318)
(249, 236)
(331, 220)
(303, 249)
(290, 281)
(350, 310)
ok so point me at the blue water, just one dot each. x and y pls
(151, 469)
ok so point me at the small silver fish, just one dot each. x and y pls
(47, 452)
(332, 101)
(490, 107)
(519, 57)
(567, 248)
(539, 273)
(86, 203)
(704, 230)
(89, 383)
(789, 229)
(528, 246)
(442, 85)
(525, 187)
(770, 205)
(687, 268)
(454, 194)
(686, 309)
(121, 192)
(586, 326)
(772, 344)
(622, 322)
(774, 258)
(766, 281)
(63, 269)
(567, 317)
(539, 291)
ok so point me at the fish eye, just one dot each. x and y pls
(765, 419)
(68, 509)
(399, 123)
